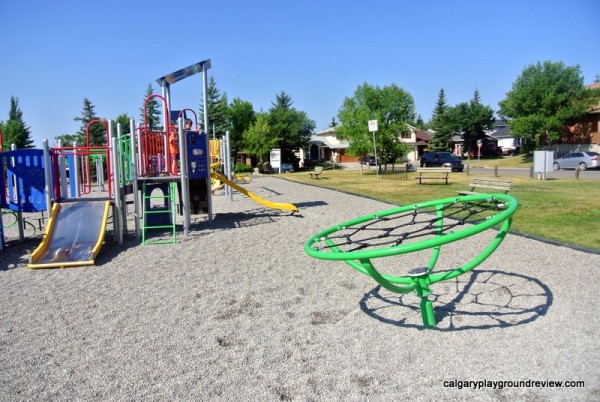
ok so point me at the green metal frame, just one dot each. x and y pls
(420, 280)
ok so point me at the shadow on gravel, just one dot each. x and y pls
(310, 204)
(479, 300)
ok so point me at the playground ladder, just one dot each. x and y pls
(170, 197)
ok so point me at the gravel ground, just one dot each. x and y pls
(237, 311)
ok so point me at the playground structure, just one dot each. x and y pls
(412, 228)
(169, 167)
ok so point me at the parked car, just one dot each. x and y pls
(287, 168)
(442, 159)
(368, 160)
(585, 160)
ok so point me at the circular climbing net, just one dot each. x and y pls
(417, 227)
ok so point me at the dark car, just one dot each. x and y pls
(442, 159)
(368, 160)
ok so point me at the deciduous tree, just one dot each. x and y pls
(391, 106)
(241, 116)
(544, 99)
(258, 139)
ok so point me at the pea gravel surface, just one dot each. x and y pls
(237, 311)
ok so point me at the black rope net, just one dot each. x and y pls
(411, 226)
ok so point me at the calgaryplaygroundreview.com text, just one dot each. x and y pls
(460, 384)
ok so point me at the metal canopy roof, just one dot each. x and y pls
(185, 72)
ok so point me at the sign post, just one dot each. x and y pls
(373, 125)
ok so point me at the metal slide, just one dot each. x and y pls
(74, 235)
(269, 204)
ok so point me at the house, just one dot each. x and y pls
(581, 136)
(325, 146)
(509, 144)
(417, 141)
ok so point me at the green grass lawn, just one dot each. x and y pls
(565, 210)
(519, 161)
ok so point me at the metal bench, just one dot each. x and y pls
(433, 173)
(487, 183)
(315, 173)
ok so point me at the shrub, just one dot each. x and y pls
(242, 168)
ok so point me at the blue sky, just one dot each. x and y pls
(56, 53)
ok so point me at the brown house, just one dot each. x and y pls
(584, 134)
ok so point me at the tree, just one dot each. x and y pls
(123, 120)
(544, 99)
(333, 122)
(391, 106)
(241, 117)
(419, 123)
(96, 131)
(258, 139)
(151, 117)
(15, 131)
(291, 128)
(439, 123)
(218, 113)
(472, 119)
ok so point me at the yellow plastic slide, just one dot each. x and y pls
(74, 235)
(269, 204)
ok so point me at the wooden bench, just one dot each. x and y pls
(315, 173)
(487, 183)
(433, 173)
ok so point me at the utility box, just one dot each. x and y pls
(543, 162)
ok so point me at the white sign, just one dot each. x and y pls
(275, 158)
(372, 125)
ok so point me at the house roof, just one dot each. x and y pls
(503, 132)
(334, 145)
(329, 139)
(423, 135)
(327, 131)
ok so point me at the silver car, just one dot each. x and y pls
(585, 160)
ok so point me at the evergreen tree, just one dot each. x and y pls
(152, 117)
(419, 123)
(333, 122)
(442, 136)
(440, 106)
(291, 128)
(14, 130)
(123, 120)
(95, 133)
(218, 109)
(472, 119)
